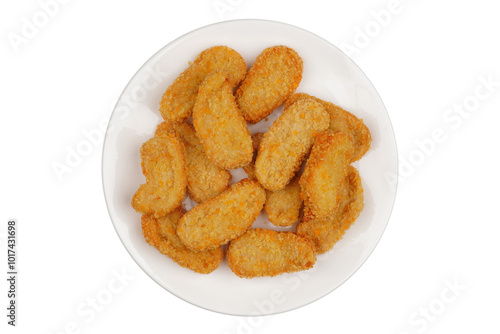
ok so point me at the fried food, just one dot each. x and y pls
(261, 252)
(222, 130)
(250, 168)
(287, 142)
(179, 98)
(223, 218)
(342, 120)
(166, 127)
(222, 97)
(160, 233)
(283, 206)
(204, 178)
(275, 75)
(325, 172)
(165, 166)
(325, 233)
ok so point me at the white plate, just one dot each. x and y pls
(328, 74)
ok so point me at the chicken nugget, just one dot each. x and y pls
(250, 168)
(166, 127)
(165, 167)
(283, 206)
(287, 142)
(261, 252)
(325, 172)
(324, 234)
(275, 75)
(222, 130)
(204, 178)
(179, 98)
(160, 233)
(222, 218)
(342, 120)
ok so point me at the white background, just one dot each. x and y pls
(435, 269)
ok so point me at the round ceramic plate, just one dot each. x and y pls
(328, 74)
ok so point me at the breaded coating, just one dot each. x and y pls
(178, 101)
(220, 219)
(165, 166)
(283, 206)
(342, 120)
(166, 127)
(325, 233)
(325, 173)
(160, 233)
(287, 142)
(261, 252)
(273, 77)
(222, 130)
(167, 225)
(204, 178)
(250, 168)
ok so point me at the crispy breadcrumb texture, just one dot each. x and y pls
(222, 97)
(283, 206)
(220, 219)
(287, 142)
(273, 77)
(161, 234)
(325, 172)
(219, 124)
(324, 234)
(250, 168)
(262, 252)
(342, 120)
(166, 127)
(178, 100)
(204, 178)
(165, 166)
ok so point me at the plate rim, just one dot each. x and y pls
(143, 266)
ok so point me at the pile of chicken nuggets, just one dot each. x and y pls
(299, 171)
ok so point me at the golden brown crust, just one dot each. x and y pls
(250, 168)
(287, 142)
(283, 206)
(222, 130)
(160, 233)
(197, 157)
(324, 234)
(275, 75)
(165, 167)
(167, 225)
(325, 172)
(165, 127)
(178, 100)
(204, 178)
(223, 218)
(261, 252)
(342, 120)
